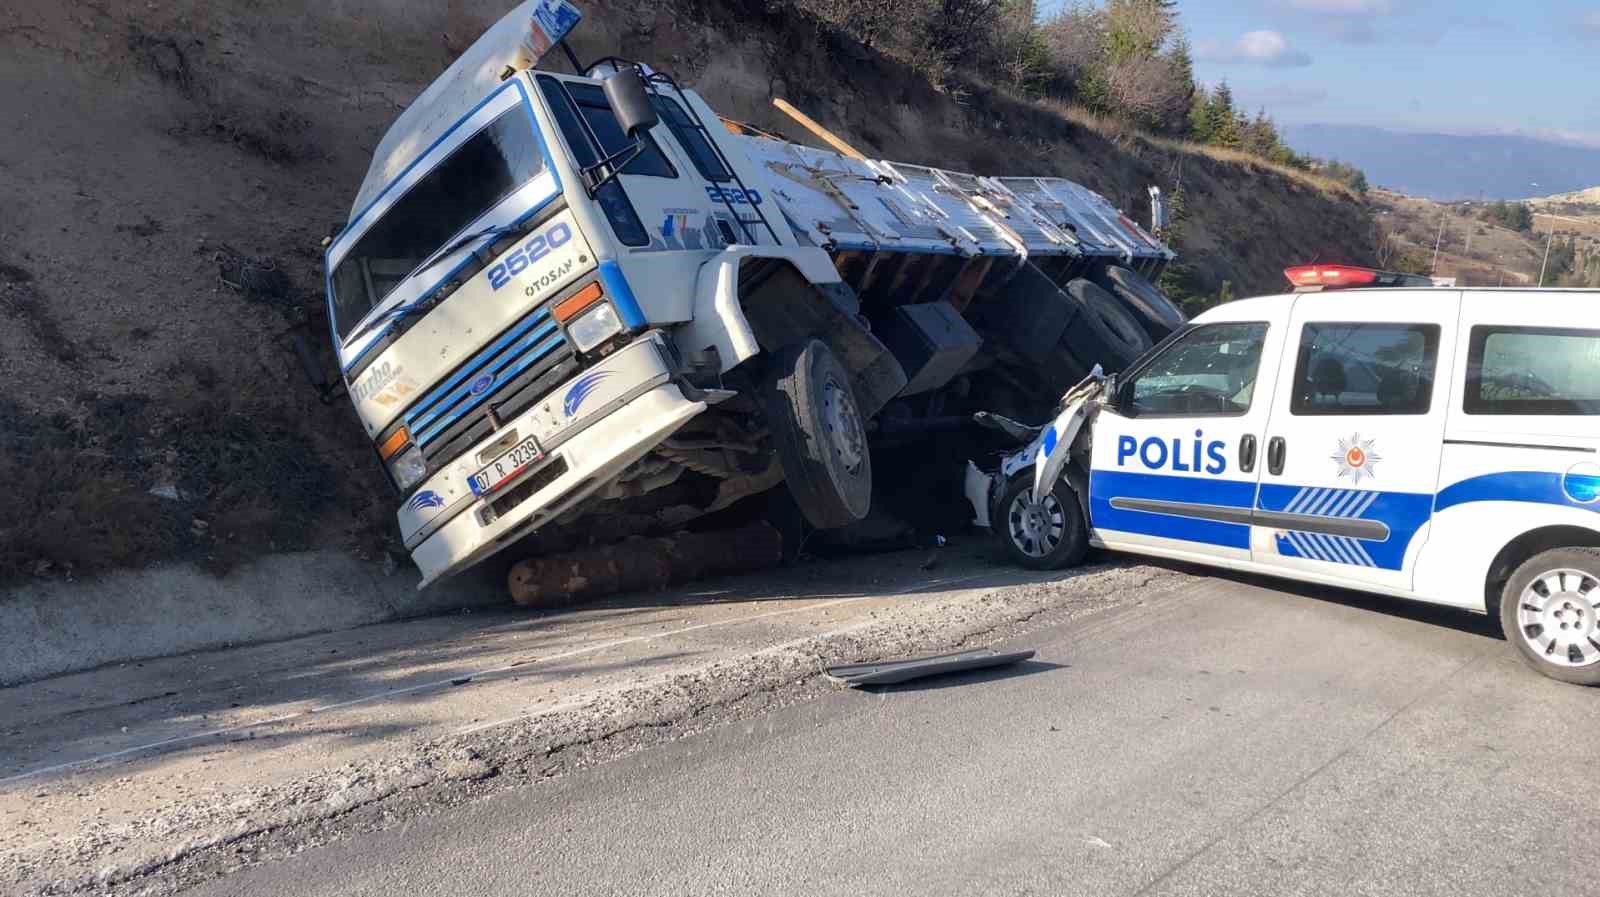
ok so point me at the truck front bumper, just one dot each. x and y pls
(590, 430)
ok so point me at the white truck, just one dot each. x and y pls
(557, 291)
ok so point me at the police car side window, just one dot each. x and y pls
(1532, 370)
(1209, 371)
(1365, 368)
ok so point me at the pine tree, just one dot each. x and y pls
(1200, 115)
(1258, 136)
(1223, 120)
(1182, 61)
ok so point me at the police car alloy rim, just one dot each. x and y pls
(1557, 616)
(844, 425)
(1036, 527)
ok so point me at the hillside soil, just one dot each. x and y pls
(170, 170)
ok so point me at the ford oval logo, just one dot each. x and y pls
(482, 384)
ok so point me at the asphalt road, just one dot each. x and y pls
(1238, 738)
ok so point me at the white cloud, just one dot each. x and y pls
(1268, 48)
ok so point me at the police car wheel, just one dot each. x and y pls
(1045, 535)
(820, 438)
(1550, 610)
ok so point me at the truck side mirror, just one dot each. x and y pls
(630, 101)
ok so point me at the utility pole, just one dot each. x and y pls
(1434, 269)
(1547, 243)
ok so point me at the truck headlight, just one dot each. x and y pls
(408, 468)
(594, 326)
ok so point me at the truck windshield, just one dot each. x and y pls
(474, 178)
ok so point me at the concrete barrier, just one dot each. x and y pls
(51, 628)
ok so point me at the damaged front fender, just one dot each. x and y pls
(1047, 454)
(1054, 445)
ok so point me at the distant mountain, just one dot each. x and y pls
(1589, 197)
(1453, 166)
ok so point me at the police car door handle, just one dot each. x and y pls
(1247, 453)
(1277, 449)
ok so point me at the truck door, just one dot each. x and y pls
(1351, 459)
(1176, 454)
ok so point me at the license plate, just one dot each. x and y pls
(503, 468)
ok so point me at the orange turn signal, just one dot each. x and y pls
(394, 444)
(569, 307)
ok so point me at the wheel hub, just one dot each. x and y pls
(1035, 527)
(1558, 617)
(844, 425)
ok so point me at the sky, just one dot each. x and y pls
(1527, 66)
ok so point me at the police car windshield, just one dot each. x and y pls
(1209, 369)
(481, 172)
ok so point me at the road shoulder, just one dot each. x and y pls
(273, 744)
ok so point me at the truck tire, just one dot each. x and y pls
(1047, 535)
(1104, 332)
(1547, 610)
(1061, 370)
(820, 437)
(1154, 310)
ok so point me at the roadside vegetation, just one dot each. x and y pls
(1121, 66)
(1125, 60)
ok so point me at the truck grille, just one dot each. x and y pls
(506, 376)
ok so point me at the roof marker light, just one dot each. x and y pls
(1338, 277)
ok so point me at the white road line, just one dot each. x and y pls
(492, 671)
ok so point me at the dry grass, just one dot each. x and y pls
(1239, 157)
(1122, 132)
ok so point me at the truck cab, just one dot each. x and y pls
(1426, 443)
(488, 331)
(536, 289)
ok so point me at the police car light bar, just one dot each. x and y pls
(1344, 277)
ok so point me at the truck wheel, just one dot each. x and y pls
(1103, 332)
(1153, 309)
(1550, 609)
(819, 434)
(1047, 535)
(1061, 370)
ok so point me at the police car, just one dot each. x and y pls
(1426, 443)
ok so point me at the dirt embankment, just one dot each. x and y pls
(170, 170)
